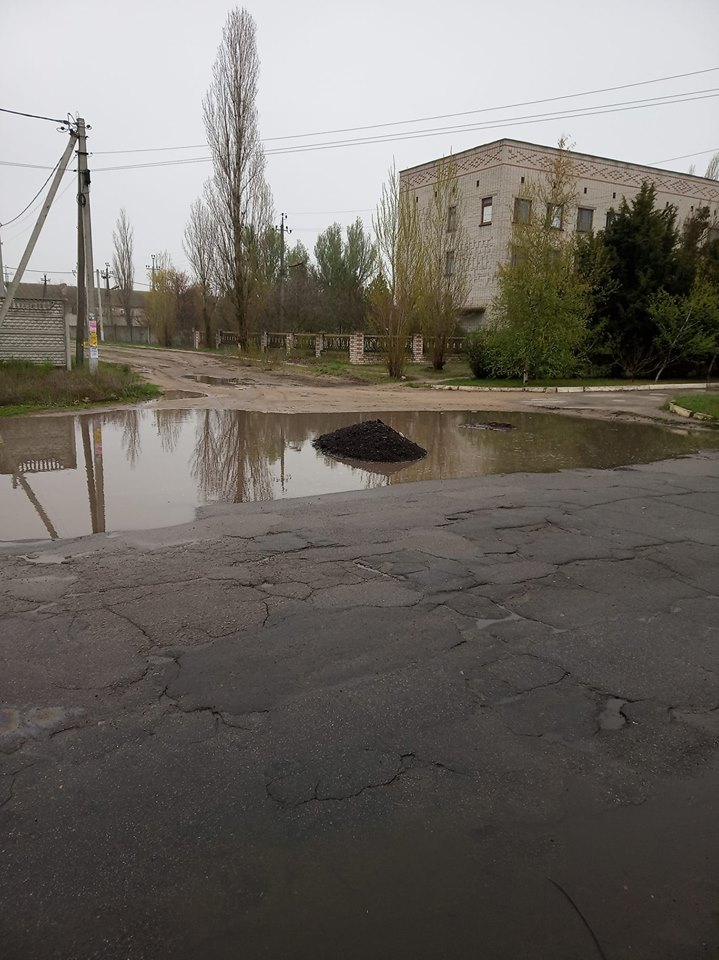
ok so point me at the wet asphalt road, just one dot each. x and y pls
(465, 719)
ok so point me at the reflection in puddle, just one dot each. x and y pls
(139, 469)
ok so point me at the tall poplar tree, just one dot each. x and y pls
(238, 196)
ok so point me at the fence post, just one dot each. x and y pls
(218, 339)
(196, 339)
(417, 348)
(263, 341)
(289, 341)
(356, 348)
(319, 344)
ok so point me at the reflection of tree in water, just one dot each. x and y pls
(240, 456)
(233, 454)
(168, 424)
(129, 422)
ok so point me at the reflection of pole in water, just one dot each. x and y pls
(18, 478)
(38, 506)
(94, 473)
(99, 475)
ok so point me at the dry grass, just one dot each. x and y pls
(31, 386)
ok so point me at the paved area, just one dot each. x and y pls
(447, 720)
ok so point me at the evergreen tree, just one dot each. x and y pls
(640, 242)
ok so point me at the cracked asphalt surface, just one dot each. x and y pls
(466, 719)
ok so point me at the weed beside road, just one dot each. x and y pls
(25, 386)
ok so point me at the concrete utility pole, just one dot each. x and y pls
(108, 303)
(86, 271)
(44, 285)
(99, 304)
(2, 274)
(283, 230)
(10, 293)
(151, 268)
(81, 323)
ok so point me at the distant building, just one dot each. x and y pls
(491, 182)
(115, 323)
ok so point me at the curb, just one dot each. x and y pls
(630, 388)
(690, 414)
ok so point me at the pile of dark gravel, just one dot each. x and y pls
(372, 441)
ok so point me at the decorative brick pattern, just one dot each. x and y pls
(35, 330)
(506, 169)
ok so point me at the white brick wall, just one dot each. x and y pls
(35, 330)
(496, 170)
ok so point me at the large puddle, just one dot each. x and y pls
(138, 469)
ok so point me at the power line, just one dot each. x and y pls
(686, 156)
(29, 166)
(14, 235)
(578, 113)
(34, 116)
(327, 213)
(8, 222)
(508, 106)
(572, 113)
(441, 116)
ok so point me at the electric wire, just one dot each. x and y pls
(441, 116)
(687, 156)
(414, 135)
(34, 116)
(6, 223)
(14, 234)
(571, 113)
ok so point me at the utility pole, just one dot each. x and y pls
(108, 302)
(86, 277)
(81, 291)
(283, 230)
(44, 285)
(99, 303)
(2, 274)
(152, 269)
(38, 227)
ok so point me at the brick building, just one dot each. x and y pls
(493, 179)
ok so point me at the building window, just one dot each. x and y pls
(555, 212)
(585, 189)
(522, 210)
(449, 264)
(518, 258)
(452, 219)
(610, 217)
(486, 211)
(585, 220)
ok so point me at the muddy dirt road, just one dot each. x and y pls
(290, 392)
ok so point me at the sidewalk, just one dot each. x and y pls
(441, 720)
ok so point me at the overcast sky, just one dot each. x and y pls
(137, 71)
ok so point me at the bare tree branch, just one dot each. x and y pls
(122, 267)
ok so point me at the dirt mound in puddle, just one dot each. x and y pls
(372, 441)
